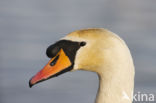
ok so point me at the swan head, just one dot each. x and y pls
(88, 49)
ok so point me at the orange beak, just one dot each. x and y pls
(57, 65)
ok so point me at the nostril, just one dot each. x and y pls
(54, 61)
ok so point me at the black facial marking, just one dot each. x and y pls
(82, 43)
(69, 47)
(54, 61)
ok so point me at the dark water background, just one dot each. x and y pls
(28, 27)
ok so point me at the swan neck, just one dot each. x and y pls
(108, 92)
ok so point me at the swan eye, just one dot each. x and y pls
(82, 43)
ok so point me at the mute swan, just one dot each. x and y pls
(97, 50)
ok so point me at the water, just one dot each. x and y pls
(28, 27)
